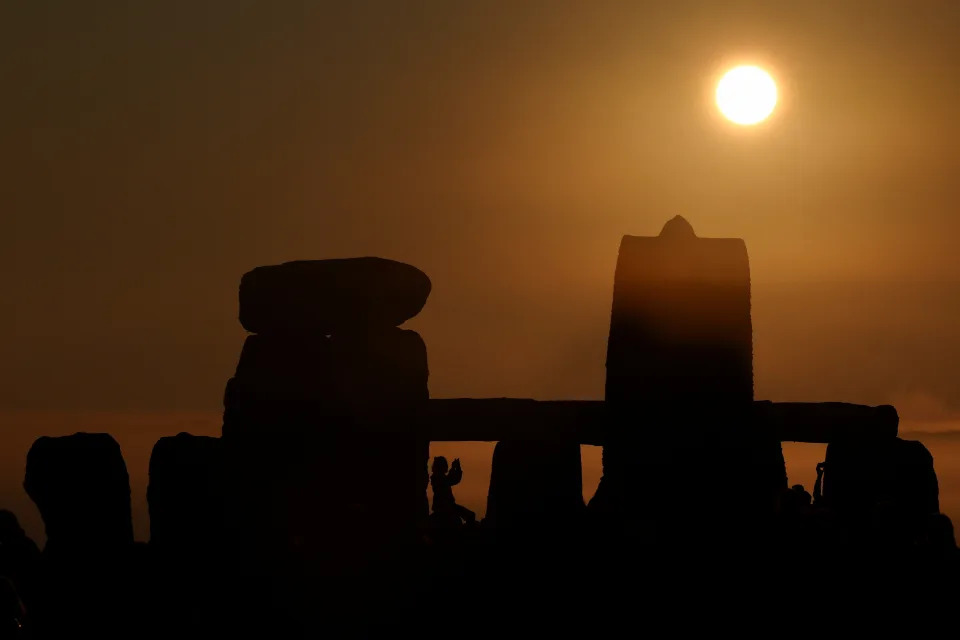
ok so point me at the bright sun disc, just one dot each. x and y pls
(746, 95)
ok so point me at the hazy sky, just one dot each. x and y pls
(154, 151)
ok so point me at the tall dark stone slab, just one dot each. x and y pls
(320, 430)
(187, 541)
(679, 386)
(341, 412)
(370, 378)
(94, 575)
(185, 494)
(681, 337)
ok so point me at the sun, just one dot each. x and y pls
(746, 95)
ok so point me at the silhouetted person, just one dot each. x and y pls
(442, 482)
(818, 485)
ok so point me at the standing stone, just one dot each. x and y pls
(185, 495)
(679, 386)
(861, 476)
(94, 579)
(186, 502)
(362, 377)
(326, 465)
(535, 485)
(81, 487)
(681, 338)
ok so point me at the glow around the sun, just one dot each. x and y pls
(746, 95)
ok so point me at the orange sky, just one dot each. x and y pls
(154, 153)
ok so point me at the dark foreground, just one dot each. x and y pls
(474, 582)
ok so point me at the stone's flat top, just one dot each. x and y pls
(676, 229)
(661, 261)
(337, 266)
(172, 454)
(81, 487)
(77, 446)
(370, 273)
(331, 295)
(74, 460)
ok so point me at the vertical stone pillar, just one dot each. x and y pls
(185, 496)
(535, 485)
(325, 464)
(681, 337)
(81, 487)
(679, 382)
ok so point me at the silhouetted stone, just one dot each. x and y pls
(370, 378)
(321, 431)
(679, 388)
(185, 494)
(81, 487)
(860, 476)
(326, 425)
(94, 574)
(186, 502)
(331, 296)
(682, 491)
(535, 484)
(326, 500)
(826, 421)
(680, 330)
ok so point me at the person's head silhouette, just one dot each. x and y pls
(440, 465)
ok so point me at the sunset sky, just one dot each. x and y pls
(155, 151)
